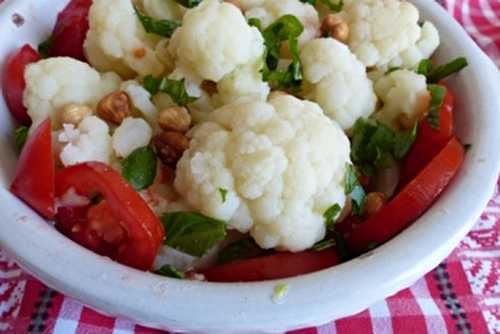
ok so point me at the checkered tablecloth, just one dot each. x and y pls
(462, 295)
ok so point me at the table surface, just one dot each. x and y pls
(461, 295)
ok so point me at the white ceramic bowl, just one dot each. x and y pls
(313, 299)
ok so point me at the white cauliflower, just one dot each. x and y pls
(405, 98)
(89, 142)
(271, 10)
(337, 81)
(281, 162)
(424, 48)
(141, 99)
(214, 40)
(54, 83)
(244, 83)
(379, 30)
(132, 134)
(163, 9)
(116, 40)
(245, 5)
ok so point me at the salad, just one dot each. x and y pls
(237, 140)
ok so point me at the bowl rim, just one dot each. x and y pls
(248, 307)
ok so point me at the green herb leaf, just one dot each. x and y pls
(354, 190)
(239, 250)
(188, 3)
(333, 6)
(170, 271)
(331, 215)
(443, 71)
(280, 291)
(375, 145)
(286, 28)
(255, 22)
(192, 233)
(437, 98)
(223, 194)
(21, 136)
(175, 88)
(404, 140)
(44, 47)
(424, 67)
(323, 245)
(163, 28)
(139, 168)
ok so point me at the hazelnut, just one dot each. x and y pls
(115, 107)
(170, 146)
(335, 27)
(209, 86)
(74, 113)
(374, 202)
(174, 119)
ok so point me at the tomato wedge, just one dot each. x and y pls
(34, 179)
(411, 202)
(276, 266)
(13, 83)
(121, 226)
(429, 141)
(70, 30)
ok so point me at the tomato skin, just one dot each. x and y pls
(70, 30)
(34, 179)
(411, 202)
(429, 141)
(275, 266)
(125, 208)
(13, 83)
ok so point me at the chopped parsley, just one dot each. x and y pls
(280, 291)
(438, 94)
(163, 28)
(176, 89)
(331, 215)
(223, 194)
(323, 245)
(44, 47)
(188, 3)
(286, 28)
(239, 250)
(436, 74)
(354, 190)
(170, 271)
(334, 6)
(21, 136)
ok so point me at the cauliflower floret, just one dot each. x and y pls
(116, 40)
(163, 9)
(424, 48)
(244, 83)
(141, 99)
(282, 163)
(380, 29)
(54, 83)
(214, 40)
(271, 10)
(337, 81)
(89, 142)
(132, 134)
(405, 97)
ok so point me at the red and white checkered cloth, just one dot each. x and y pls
(462, 295)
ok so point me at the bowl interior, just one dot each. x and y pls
(212, 307)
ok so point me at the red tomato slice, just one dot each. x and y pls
(429, 141)
(34, 179)
(411, 202)
(276, 266)
(125, 227)
(13, 83)
(70, 30)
